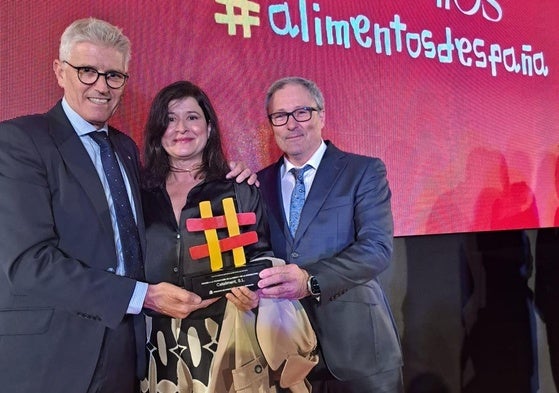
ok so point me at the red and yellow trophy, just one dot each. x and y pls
(220, 279)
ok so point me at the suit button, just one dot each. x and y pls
(294, 254)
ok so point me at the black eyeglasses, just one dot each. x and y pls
(300, 114)
(89, 76)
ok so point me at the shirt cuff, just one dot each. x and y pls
(137, 301)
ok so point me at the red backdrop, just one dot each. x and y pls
(458, 97)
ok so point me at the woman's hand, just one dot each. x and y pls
(243, 298)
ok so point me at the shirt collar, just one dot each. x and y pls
(81, 126)
(314, 161)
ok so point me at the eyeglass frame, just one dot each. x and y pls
(310, 109)
(104, 74)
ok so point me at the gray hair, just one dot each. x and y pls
(311, 87)
(96, 31)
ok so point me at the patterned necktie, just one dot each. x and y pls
(297, 198)
(128, 231)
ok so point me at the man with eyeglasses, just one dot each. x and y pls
(336, 246)
(71, 290)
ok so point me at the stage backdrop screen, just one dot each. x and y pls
(458, 97)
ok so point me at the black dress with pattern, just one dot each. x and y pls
(181, 351)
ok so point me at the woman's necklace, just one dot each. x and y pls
(184, 170)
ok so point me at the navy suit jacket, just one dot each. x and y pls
(344, 238)
(56, 247)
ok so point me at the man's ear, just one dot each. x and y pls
(322, 116)
(59, 72)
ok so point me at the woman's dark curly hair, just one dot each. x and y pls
(156, 159)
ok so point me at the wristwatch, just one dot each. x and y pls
(313, 287)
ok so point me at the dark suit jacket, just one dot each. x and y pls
(344, 238)
(56, 245)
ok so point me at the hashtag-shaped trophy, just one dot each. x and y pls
(220, 279)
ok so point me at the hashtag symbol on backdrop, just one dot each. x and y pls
(237, 13)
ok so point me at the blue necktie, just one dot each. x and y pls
(297, 198)
(127, 228)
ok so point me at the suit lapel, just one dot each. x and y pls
(330, 168)
(78, 162)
